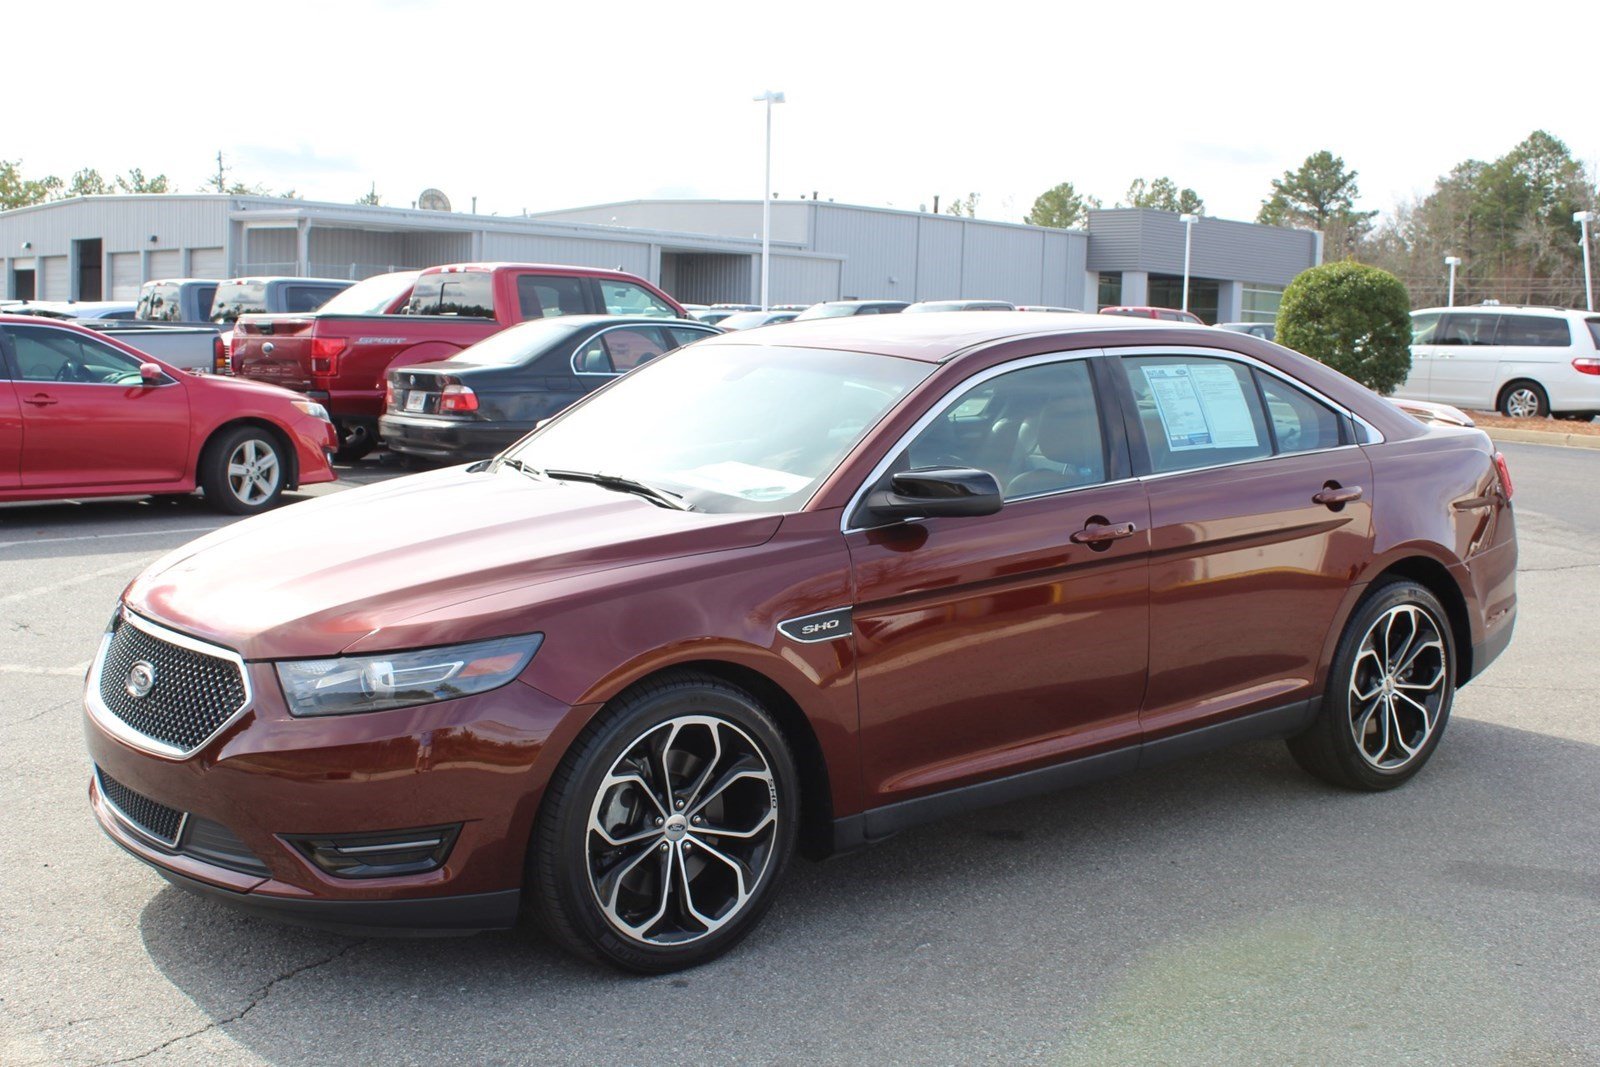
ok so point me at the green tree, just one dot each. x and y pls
(1353, 317)
(1163, 194)
(371, 197)
(17, 191)
(1320, 195)
(135, 182)
(1062, 207)
(88, 182)
(967, 208)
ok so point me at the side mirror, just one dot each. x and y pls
(151, 372)
(954, 491)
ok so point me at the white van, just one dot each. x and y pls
(1519, 361)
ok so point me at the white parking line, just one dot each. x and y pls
(109, 536)
(77, 670)
(55, 587)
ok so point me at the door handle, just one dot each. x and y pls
(1102, 533)
(40, 400)
(1334, 496)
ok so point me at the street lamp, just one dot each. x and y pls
(1452, 262)
(1583, 218)
(1188, 239)
(770, 98)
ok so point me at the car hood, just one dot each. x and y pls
(316, 578)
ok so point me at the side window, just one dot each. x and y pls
(625, 298)
(546, 296)
(1466, 328)
(682, 335)
(1424, 327)
(1534, 331)
(1299, 423)
(44, 355)
(619, 350)
(204, 297)
(1037, 430)
(1196, 411)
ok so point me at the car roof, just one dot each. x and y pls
(1481, 309)
(253, 279)
(183, 281)
(578, 322)
(940, 338)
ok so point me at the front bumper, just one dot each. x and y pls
(479, 762)
(448, 438)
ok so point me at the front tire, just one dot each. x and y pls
(666, 829)
(1389, 692)
(244, 471)
(1524, 400)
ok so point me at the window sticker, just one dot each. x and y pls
(1201, 406)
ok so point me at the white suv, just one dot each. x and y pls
(1520, 361)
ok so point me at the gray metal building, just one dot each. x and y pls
(701, 251)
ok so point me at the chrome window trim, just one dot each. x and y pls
(707, 330)
(938, 409)
(107, 720)
(133, 827)
(80, 336)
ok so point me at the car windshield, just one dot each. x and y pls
(728, 427)
(516, 344)
(371, 297)
(827, 311)
(233, 299)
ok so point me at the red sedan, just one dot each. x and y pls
(796, 589)
(82, 415)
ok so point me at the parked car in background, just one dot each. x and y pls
(712, 316)
(95, 310)
(270, 296)
(485, 397)
(340, 357)
(1267, 331)
(749, 320)
(1040, 307)
(959, 305)
(1523, 362)
(177, 300)
(767, 593)
(198, 349)
(1164, 314)
(83, 414)
(838, 309)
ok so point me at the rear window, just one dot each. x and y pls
(371, 297)
(469, 294)
(158, 303)
(516, 345)
(238, 298)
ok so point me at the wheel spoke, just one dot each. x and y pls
(710, 769)
(744, 835)
(734, 775)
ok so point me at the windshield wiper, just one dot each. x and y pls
(514, 464)
(622, 485)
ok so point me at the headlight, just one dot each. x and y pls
(312, 408)
(349, 684)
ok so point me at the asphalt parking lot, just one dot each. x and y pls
(1228, 909)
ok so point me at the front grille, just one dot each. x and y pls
(192, 693)
(157, 821)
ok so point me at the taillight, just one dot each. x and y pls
(1586, 365)
(219, 356)
(325, 354)
(458, 398)
(1504, 472)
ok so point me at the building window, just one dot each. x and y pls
(1110, 290)
(1260, 302)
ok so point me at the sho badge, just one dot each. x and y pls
(823, 626)
(141, 679)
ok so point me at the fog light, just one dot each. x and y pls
(378, 855)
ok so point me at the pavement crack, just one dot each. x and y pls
(256, 999)
(1547, 570)
(9, 723)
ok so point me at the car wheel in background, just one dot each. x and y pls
(243, 471)
(1524, 400)
(1389, 692)
(665, 831)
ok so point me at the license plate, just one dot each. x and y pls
(415, 400)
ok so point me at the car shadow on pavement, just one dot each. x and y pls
(1225, 903)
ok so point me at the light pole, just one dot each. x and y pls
(770, 98)
(1583, 218)
(1188, 240)
(1452, 262)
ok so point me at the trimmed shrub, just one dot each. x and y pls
(1354, 318)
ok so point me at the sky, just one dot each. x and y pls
(536, 106)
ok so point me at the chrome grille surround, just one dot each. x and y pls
(148, 819)
(198, 725)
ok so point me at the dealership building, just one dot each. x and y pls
(700, 251)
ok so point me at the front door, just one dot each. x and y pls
(994, 645)
(10, 431)
(1260, 513)
(1418, 383)
(89, 419)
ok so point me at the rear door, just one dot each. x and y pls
(1466, 362)
(10, 428)
(88, 419)
(1248, 564)
(1538, 348)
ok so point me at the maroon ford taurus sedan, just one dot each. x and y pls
(795, 589)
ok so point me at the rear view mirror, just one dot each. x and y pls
(151, 372)
(954, 491)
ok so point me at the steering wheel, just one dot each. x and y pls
(68, 372)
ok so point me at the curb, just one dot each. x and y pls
(1543, 437)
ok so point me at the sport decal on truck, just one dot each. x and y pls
(823, 626)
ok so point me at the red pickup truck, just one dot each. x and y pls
(340, 354)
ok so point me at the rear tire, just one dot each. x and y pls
(1524, 399)
(665, 831)
(1389, 692)
(244, 471)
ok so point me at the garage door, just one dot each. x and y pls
(55, 284)
(124, 276)
(207, 263)
(167, 264)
